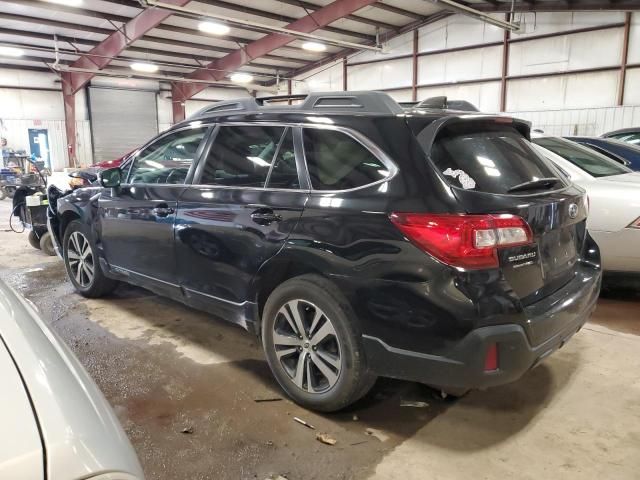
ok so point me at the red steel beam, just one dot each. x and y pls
(118, 41)
(69, 99)
(625, 58)
(307, 24)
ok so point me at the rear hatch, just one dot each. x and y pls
(494, 171)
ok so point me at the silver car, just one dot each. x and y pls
(56, 424)
(614, 196)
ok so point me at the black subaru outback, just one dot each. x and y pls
(356, 238)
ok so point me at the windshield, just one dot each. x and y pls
(490, 158)
(592, 162)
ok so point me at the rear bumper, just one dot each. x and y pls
(562, 314)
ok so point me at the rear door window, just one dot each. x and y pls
(284, 173)
(487, 158)
(241, 156)
(337, 161)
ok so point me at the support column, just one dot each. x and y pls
(505, 66)
(344, 74)
(625, 57)
(289, 89)
(177, 103)
(69, 100)
(414, 77)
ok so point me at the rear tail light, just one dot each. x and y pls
(465, 241)
(491, 358)
(635, 223)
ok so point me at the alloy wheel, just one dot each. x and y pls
(80, 258)
(307, 346)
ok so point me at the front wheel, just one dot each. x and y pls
(81, 262)
(313, 346)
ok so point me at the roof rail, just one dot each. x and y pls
(326, 102)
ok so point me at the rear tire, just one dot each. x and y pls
(82, 264)
(46, 244)
(326, 369)
(33, 239)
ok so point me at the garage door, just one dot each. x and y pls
(121, 121)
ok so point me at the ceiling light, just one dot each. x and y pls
(144, 67)
(314, 46)
(241, 77)
(11, 52)
(213, 28)
(71, 3)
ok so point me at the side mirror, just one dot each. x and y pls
(111, 178)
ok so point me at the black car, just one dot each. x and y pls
(625, 153)
(356, 238)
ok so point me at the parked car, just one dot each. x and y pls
(87, 176)
(629, 135)
(55, 421)
(614, 196)
(622, 152)
(355, 238)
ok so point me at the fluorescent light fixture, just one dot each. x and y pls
(10, 52)
(144, 67)
(314, 46)
(240, 77)
(70, 3)
(213, 28)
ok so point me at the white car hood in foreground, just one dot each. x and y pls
(80, 433)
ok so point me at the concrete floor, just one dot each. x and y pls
(166, 368)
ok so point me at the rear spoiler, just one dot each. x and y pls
(428, 135)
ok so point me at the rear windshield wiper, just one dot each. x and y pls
(535, 184)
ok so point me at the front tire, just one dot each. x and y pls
(81, 262)
(46, 244)
(313, 346)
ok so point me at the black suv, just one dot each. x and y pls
(356, 238)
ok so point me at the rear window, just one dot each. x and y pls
(594, 163)
(487, 158)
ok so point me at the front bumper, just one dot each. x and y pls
(561, 314)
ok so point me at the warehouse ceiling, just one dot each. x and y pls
(178, 47)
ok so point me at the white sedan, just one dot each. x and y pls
(614, 200)
(55, 422)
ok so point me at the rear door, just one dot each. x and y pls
(245, 200)
(137, 222)
(493, 169)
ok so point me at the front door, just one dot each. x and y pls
(245, 201)
(137, 221)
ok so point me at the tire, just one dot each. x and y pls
(335, 372)
(3, 194)
(33, 239)
(46, 244)
(77, 239)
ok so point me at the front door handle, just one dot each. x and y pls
(162, 210)
(264, 216)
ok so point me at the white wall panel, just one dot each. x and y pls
(371, 76)
(553, 22)
(634, 39)
(465, 65)
(401, 45)
(570, 52)
(323, 79)
(590, 121)
(457, 31)
(585, 90)
(485, 96)
(632, 87)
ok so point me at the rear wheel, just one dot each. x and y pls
(81, 262)
(312, 344)
(33, 239)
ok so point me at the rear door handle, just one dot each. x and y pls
(163, 211)
(265, 216)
